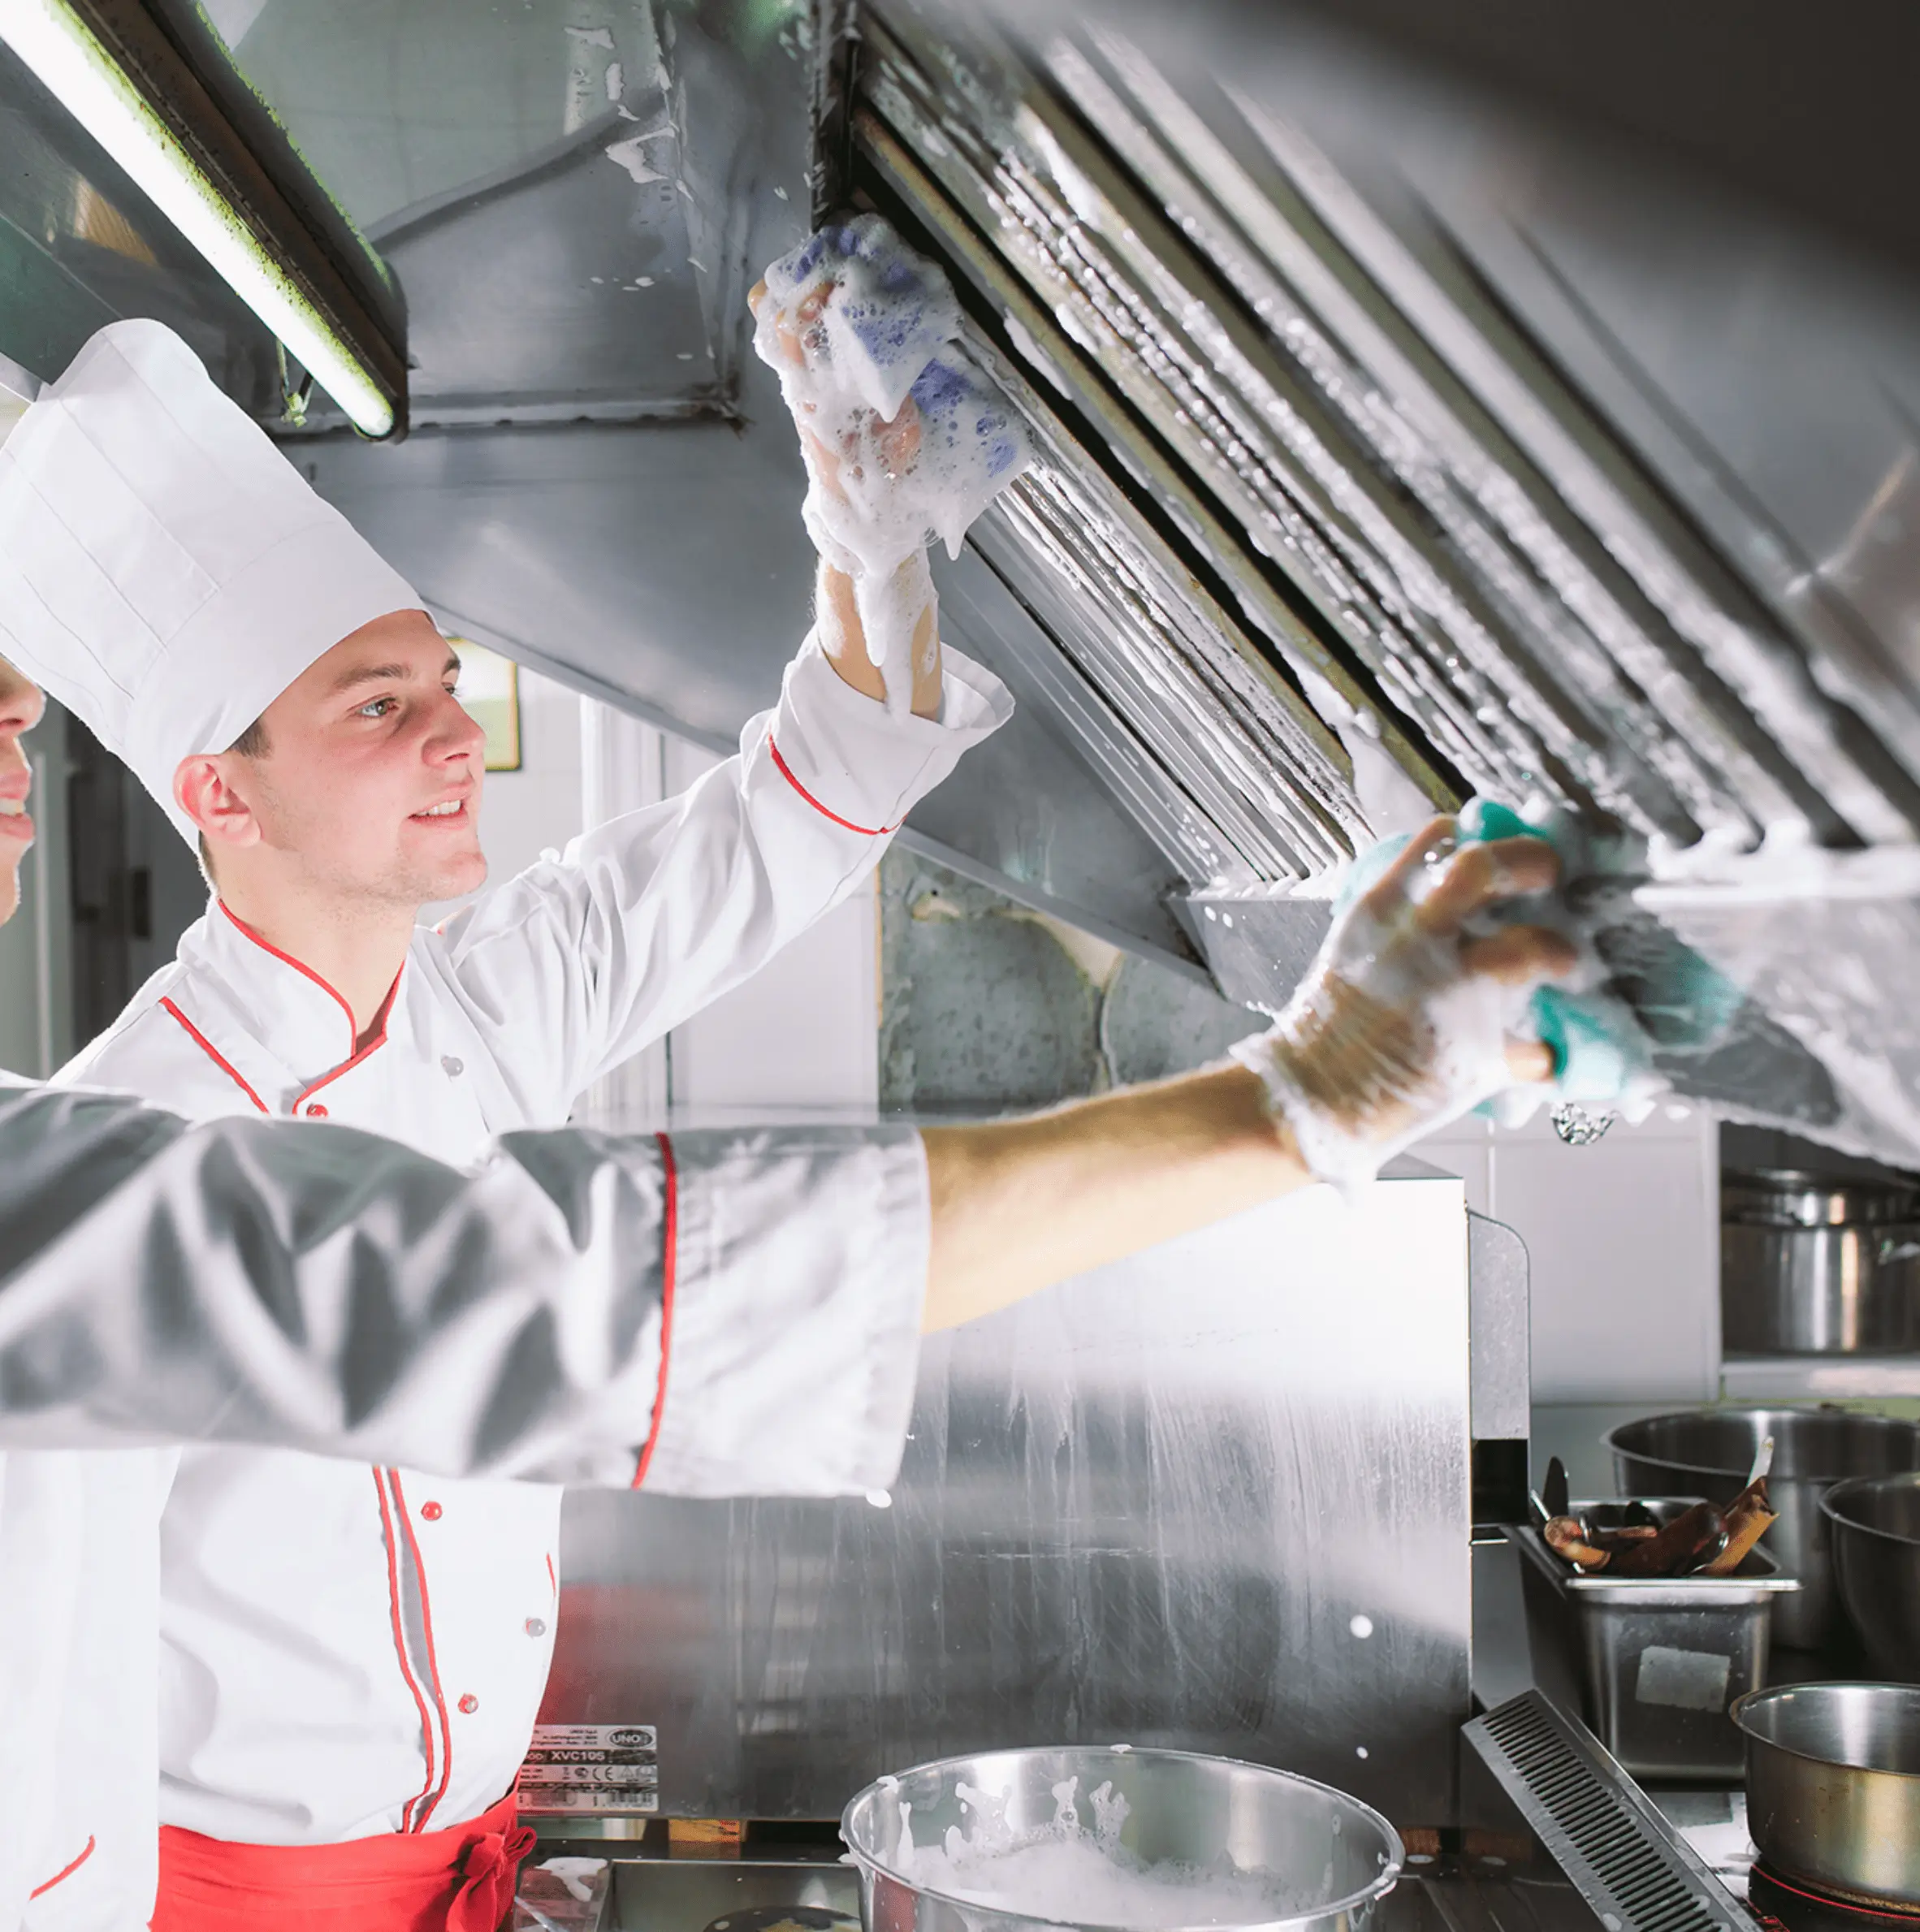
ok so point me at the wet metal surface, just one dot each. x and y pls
(1216, 1497)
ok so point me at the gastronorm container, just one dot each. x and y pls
(1833, 1787)
(1341, 1856)
(1873, 1524)
(1651, 1662)
(1708, 1452)
(1810, 1265)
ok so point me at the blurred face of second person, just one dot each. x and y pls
(20, 708)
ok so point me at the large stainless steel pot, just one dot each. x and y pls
(1338, 1857)
(1873, 1524)
(1810, 1265)
(1833, 1787)
(1708, 1452)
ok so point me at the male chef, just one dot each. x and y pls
(262, 1282)
(353, 1657)
(252, 1281)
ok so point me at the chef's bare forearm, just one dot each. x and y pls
(1019, 1204)
(843, 638)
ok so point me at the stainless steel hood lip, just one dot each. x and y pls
(453, 622)
(1034, 899)
(908, 838)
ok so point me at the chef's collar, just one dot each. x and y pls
(273, 1002)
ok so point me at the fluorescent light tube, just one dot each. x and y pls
(59, 47)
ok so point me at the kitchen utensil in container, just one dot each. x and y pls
(1650, 1662)
(1833, 1787)
(1332, 1859)
(1709, 1452)
(1873, 1524)
(1812, 1265)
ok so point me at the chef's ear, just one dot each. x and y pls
(204, 790)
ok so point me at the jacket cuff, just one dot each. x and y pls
(799, 1283)
(852, 759)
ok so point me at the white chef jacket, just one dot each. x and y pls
(348, 1651)
(248, 1282)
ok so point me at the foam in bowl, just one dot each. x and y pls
(1067, 1875)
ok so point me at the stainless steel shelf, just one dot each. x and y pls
(1819, 1378)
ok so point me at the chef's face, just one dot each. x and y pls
(368, 787)
(20, 706)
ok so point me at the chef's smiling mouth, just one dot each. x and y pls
(448, 810)
(16, 821)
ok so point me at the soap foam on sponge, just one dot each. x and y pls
(880, 328)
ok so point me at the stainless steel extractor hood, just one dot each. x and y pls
(1400, 438)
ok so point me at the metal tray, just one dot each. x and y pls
(1651, 1663)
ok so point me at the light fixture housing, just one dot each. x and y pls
(114, 67)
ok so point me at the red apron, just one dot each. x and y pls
(458, 1880)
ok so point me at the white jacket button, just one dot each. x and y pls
(536, 1626)
(451, 1067)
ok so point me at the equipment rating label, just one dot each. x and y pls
(591, 1767)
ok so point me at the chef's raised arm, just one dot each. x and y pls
(644, 919)
(710, 1314)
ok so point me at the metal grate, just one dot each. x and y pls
(1622, 1857)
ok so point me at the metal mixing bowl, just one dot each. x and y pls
(1337, 1857)
(1872, 1525)
(1708, 1452)
(1833, 1787)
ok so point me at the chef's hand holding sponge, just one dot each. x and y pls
(1480, 963)
(906, 437)
(1416, 1009)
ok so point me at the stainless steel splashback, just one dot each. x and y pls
(1215, 1496)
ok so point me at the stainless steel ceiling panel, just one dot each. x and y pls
(664, 561)
(575, 199)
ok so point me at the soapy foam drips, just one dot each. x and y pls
(1063, 1874)
(886, 334)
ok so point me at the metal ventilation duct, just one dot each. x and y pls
(1394, 446)
(1322, 535)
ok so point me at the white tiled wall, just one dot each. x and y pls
(1623, 1239)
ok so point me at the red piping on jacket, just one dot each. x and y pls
(213, 1053)
(669, 1270)
(786, 771)
(433, 1662)
(380, 1018)
(288, 959)
(409, 1822)
(66, 1872)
